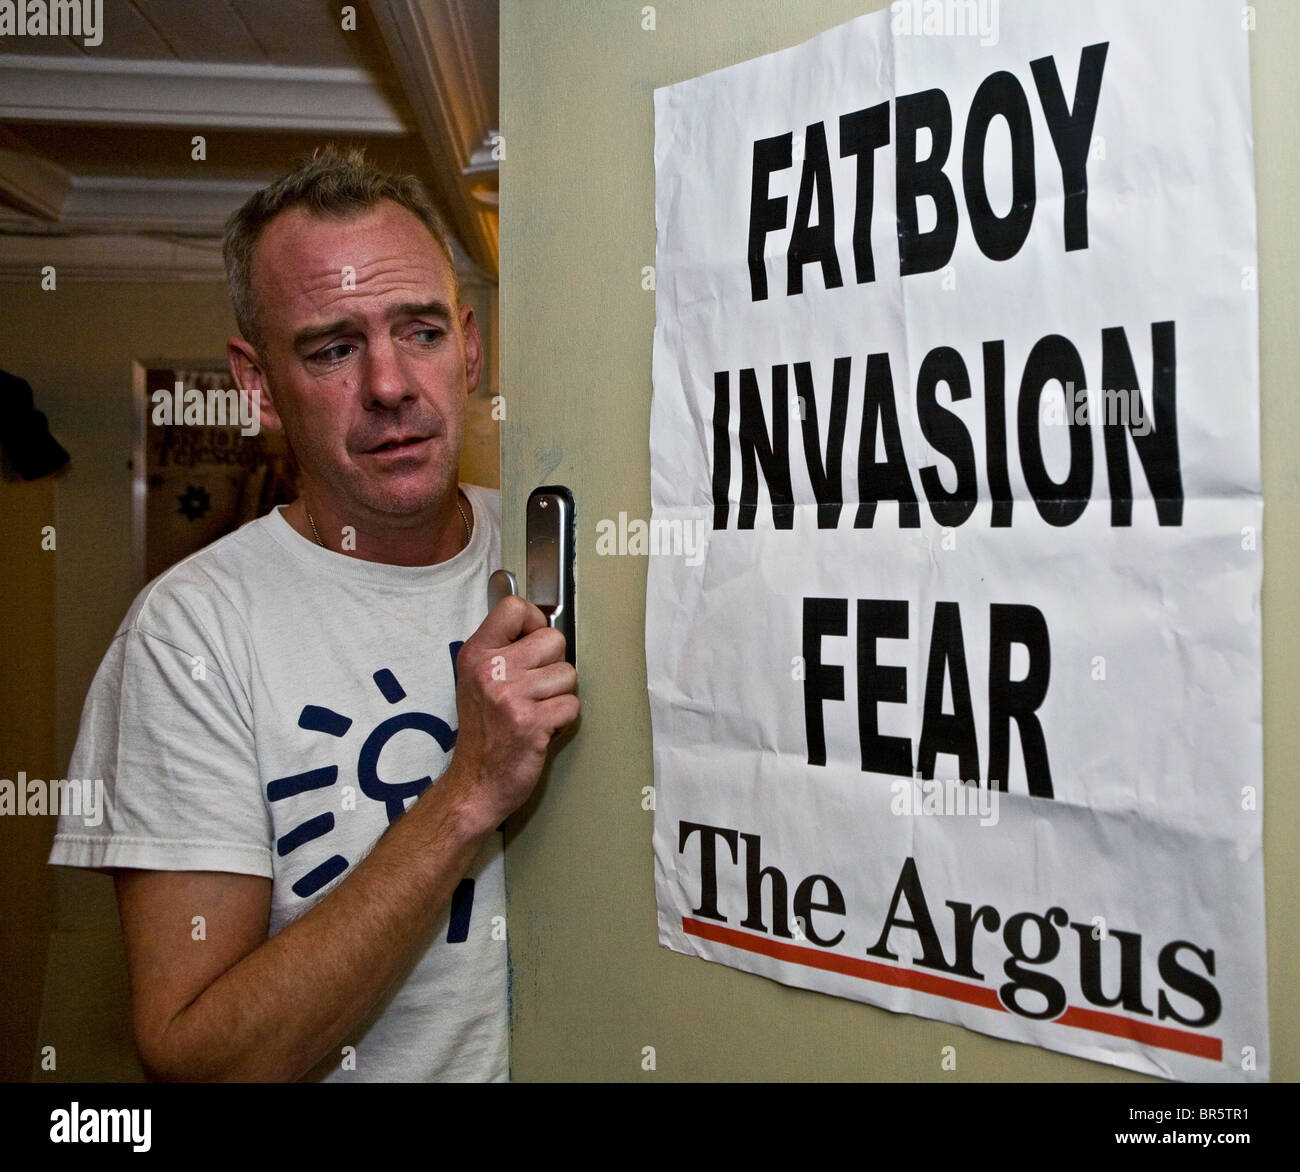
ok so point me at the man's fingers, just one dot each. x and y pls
(539, 647)
(553, 679)
(536, 649)
(511, 618)
(558, 712)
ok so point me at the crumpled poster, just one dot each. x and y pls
(952, 629)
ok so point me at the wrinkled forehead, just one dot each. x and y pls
(303, 260)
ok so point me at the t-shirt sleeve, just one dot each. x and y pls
(172, 744)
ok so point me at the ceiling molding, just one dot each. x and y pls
(111, 92)
(110, 257)
(129, 204)
(32, 182)
(432, 52)
(437, 50)
(152, 247)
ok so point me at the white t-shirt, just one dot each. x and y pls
(265, 708)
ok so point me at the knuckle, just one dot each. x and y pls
(492, 686)
(477, 650)
(516, 710)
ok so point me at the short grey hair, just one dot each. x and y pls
(336, 181)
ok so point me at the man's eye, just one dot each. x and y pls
(335, 353)
(428, 336)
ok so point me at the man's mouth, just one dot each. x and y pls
(394, 444)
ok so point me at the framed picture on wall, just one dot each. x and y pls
(202, 466)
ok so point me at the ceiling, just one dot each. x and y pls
(99, 173)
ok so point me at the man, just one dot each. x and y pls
(297, 898)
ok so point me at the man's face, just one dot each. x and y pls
(368, 357)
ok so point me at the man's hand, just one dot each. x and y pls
(514, 692)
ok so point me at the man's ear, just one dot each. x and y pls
(250, 377)
(473, 347)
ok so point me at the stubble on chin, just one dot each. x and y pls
(398, 498)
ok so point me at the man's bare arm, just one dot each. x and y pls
(239, 1006)
(236, 1005)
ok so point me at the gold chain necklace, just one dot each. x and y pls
(316, 533)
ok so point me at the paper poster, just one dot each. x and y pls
(957, 709)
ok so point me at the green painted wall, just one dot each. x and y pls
(592, 987)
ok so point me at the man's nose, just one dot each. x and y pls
(386, 385)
